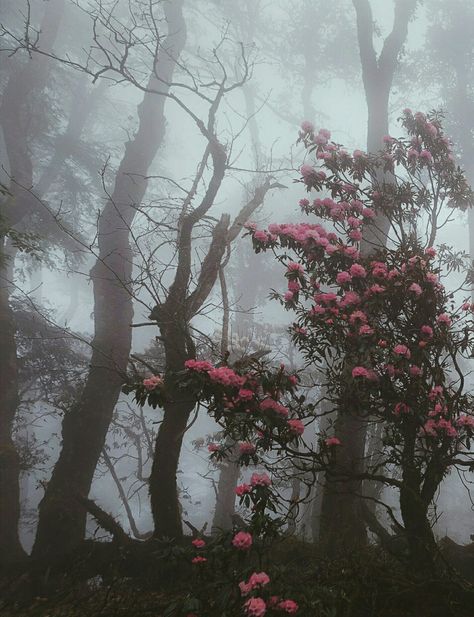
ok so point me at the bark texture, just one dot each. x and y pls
(61, 524)
(341, 521)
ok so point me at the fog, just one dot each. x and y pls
(137, 138)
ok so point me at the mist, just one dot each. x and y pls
(236, 307)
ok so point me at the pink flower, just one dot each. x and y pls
(427, 331)
(343, 277)
(270, 404)
(444, 319)
(261, 235)
(153, 382)
(402, 350)
(245, 394)
(213, 447)
(431, 277)
(258, 579)
(245, 588)
(198, 559)
(255, 607)
(243, 489)
(360, 371)
(376, 289)
(354, 222)
(307, 172)
(200, 366)
(465, 420)
(358, 271)
(295, 267)
(296, 426)
(436, 392)
(294, 286)
(365, 330)
(416, 289)
(426, 156)
(356, 235)
(288, 296)
(401, 408)
(226, 376)
(260, 479)
(332, 441)
(289, 606)
(307, 126)
(358, 316)
(430, 252)
(242, 540)
(198, 543)
(349, 298)
(415, 371)
(368, 213)
(245, 447)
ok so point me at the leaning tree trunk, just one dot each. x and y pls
(341, 519)
(163, 483)
(25, 81)
(10, 547)
(61, 524)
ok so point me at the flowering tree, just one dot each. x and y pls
(385, 335)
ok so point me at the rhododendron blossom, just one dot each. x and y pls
(260, 479)
(153, 382)
(296, 426)
(288, 606)
(360, 371)
(198, 543)
(255, 607)
(402, 350)
(242, 540)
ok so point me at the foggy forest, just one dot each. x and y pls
(236, 308)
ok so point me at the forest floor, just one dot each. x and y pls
(368, 584)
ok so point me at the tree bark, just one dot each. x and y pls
(173, 317)
(341, 524)
(26, 80)
(225, 499)
(61, 525)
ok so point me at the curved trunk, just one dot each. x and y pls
(26, 80)
(341, 523)
(61, 524)
(10, 547)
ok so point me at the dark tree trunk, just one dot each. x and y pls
(61, 524)
(10, 547)
(163, 485)
(341, 523)
(26, 80)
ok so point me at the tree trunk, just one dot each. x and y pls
(342, 525)
(61, 524)
(225, 500)
(10, 547)
(26, 80)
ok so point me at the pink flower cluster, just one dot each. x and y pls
(242, 541)
(153, 382)
(201, 366)
(226, 376)
(256, 580)
(270, 404)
